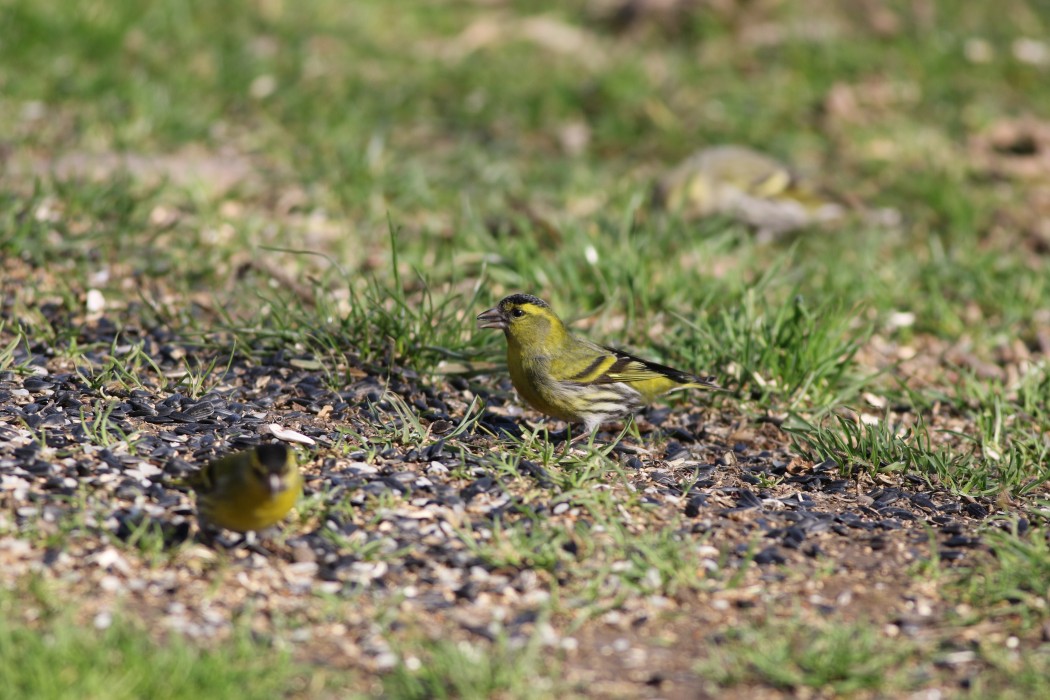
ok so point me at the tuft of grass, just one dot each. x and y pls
(886, 446)
(795, 353)
(532, 543)
(1013, 584)
(8, 351)
(834, 658)
(999, 451)
(383, 320)
(441, 669)
(1012, 674)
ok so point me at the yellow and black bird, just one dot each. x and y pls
(750, 186)
(248, 490)
(572, 378)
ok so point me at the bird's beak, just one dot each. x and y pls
(275, 483)
(493, 318)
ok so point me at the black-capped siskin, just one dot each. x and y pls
(248, 490)
(571, 378)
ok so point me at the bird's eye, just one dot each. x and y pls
(517, 313)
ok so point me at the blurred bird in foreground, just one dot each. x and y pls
(571, 378)
(745, 184)
(248, 490)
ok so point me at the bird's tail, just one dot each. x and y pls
(703, 383)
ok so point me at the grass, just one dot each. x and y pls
(1010, 586)
(881, 446)
(841, 659)
(48, 654)
(446, 669)
(344, 187)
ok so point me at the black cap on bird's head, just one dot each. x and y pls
(272, 462)
(511, 306)
(521, 299)
(272, 455)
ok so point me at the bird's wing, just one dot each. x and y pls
(605, 365)
(772, 184)
(589, 365)
(628, 368)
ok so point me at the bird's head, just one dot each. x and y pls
(525, 319)
(272, 465)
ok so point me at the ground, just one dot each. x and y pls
(224, 228)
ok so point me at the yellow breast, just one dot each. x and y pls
(250, 507)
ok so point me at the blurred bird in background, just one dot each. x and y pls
(749, 186)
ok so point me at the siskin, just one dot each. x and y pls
(745, 184)
(248, 490)
(571, 378)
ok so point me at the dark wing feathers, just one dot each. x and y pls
(628, 368)
(585, 375)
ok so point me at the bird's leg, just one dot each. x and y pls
(253, 543)
(589, 435)
(216, 539)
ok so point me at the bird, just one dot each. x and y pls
(571, 378)
(248, 490)
(746, 184)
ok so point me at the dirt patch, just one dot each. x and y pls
(218, 171)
